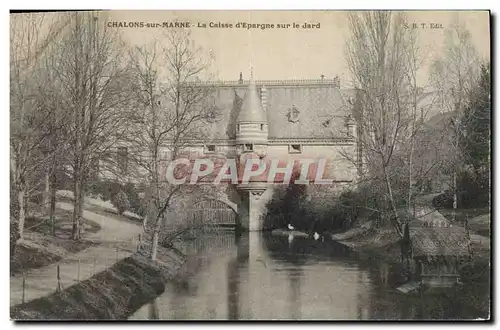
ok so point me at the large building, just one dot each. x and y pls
(285, 120)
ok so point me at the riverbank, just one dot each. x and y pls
(380, 243)
(115, 240)
(113, 294)
(383, 242)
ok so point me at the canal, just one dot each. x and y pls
(259, 276)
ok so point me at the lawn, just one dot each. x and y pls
(96, 204)
(39, 248)
(478, 218)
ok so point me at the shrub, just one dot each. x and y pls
(314, 210)
(121, 202)
(473, 190)
(133, 198)
(106, 189)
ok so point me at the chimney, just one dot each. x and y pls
(263, 97)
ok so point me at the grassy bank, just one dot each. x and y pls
(112, 294)
(381, 243)
(479, 219)
(40, 248)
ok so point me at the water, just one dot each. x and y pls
(258, 276)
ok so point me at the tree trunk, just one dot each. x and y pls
(142, 235)
(154, 246)
(52, 209)
(46, 195)
(410, 166)
(156, 234)
(396, 222)
(455, 199)
(21, 197)
(77, 210)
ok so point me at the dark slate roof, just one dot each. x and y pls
(321, 104)
(439, 241)
(322, 111)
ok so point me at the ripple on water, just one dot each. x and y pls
(266, 278)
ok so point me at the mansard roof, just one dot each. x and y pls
(295, 109)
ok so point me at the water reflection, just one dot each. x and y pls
(257, 276)
(294, 277)
(154, 309)
(235, 268)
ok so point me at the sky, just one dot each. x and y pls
(290, 53)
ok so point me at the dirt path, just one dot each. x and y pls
(118, 239)
(425, 212)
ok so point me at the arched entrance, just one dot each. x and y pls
(211, 212)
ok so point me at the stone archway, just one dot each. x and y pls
(213, 212)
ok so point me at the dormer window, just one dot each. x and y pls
(295, 148)
(293, 114)
(212, 113)
(248, 147)
(210, 148)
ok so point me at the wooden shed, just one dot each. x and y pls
(438, 253)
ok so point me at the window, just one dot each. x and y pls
(248, 147)
(122, 159)
(261, 127)
(295, 148)
(210, 148)
(238, 127)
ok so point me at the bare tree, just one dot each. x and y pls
(31, 38)
(453, 76)
(94, 79)
(380, 57)
(172, 108)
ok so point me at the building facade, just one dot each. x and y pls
(288, 120)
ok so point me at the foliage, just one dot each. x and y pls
(476, 142)
(383, 58)
(107, 189)
(309, 209)
(121, 202)
(472, 191)
(136, 203)
(473, 174)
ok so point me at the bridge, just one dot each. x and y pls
(207, 214)
(212, 212)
